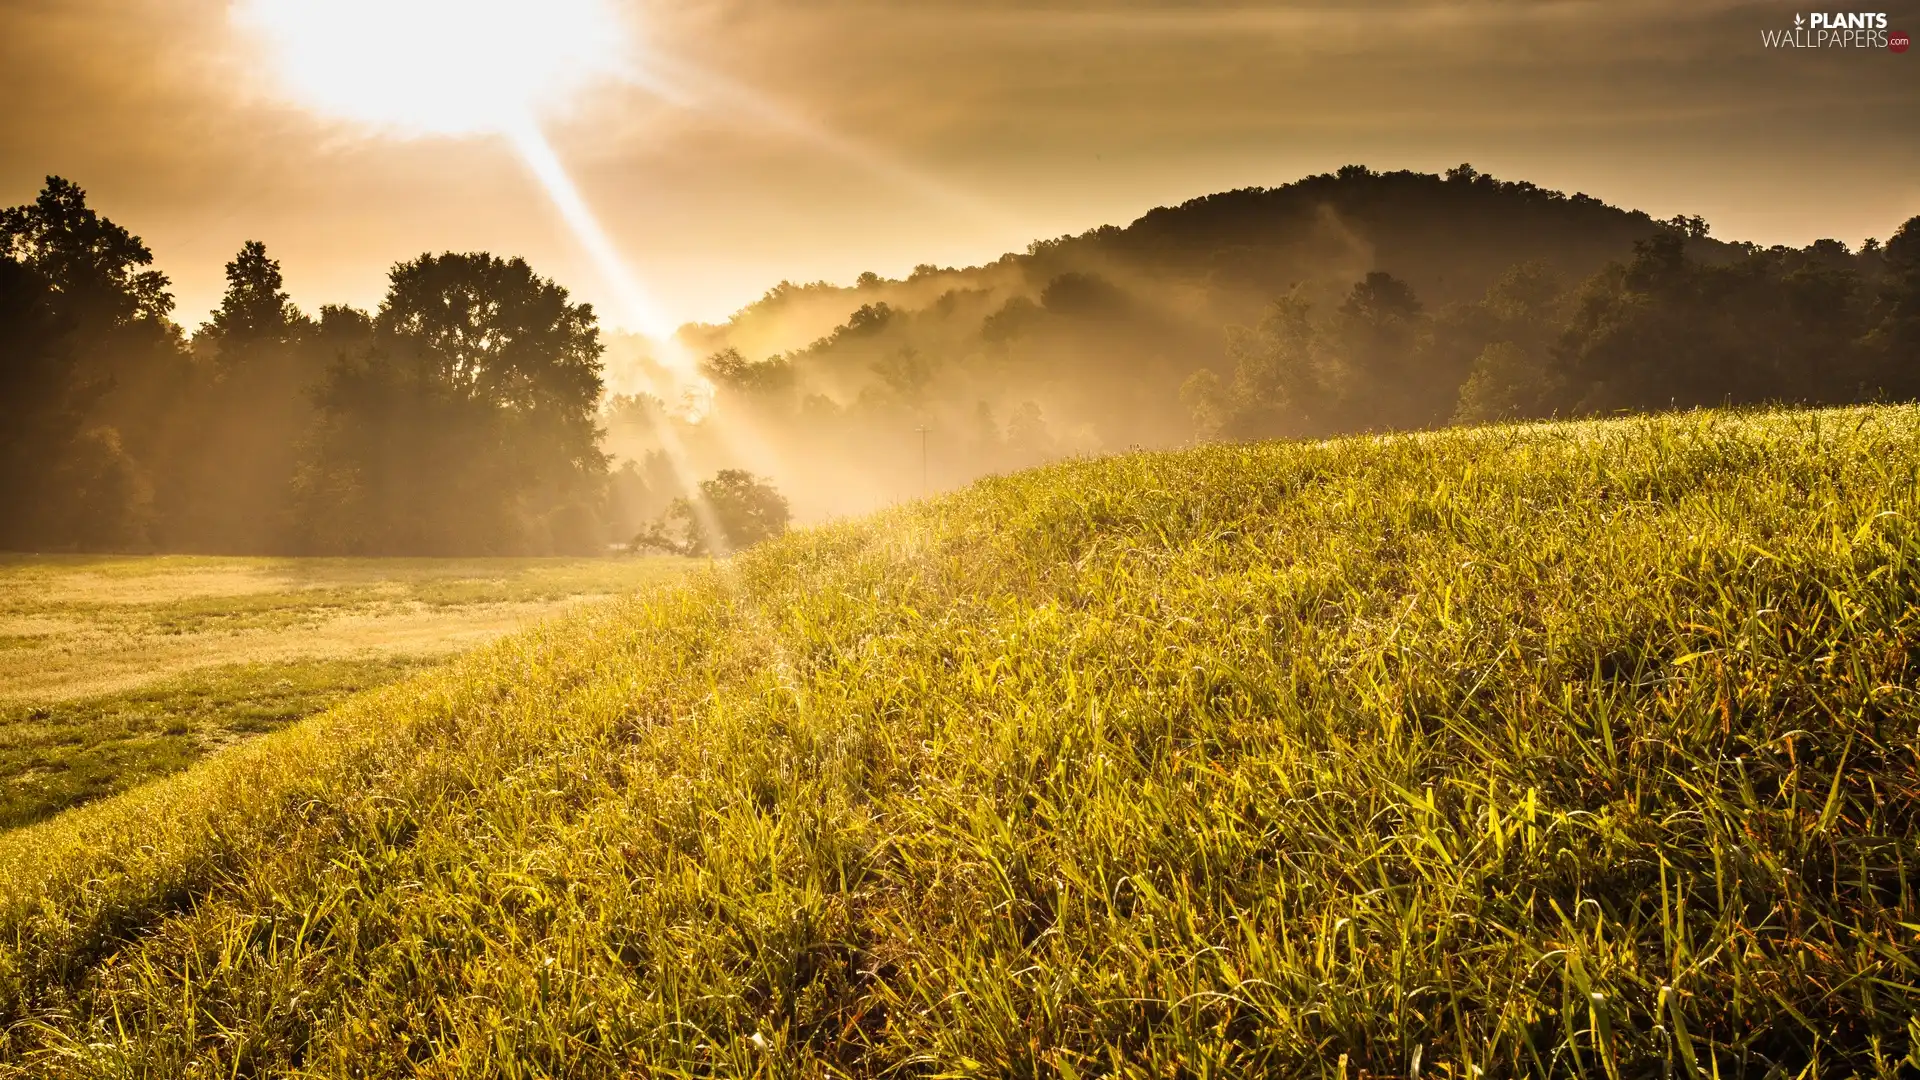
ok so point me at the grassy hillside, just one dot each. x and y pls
(1582, 749)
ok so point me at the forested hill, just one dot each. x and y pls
(1448, 237)
(1348, 302)
(1227, 255)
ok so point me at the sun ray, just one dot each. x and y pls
(637, 308)
(412, 68)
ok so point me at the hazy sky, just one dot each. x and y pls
(873, 136)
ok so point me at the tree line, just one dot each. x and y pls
(458, 418)
(1664, 329)
(469, 413)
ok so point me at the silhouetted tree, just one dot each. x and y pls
(906, 372)
(228, 478)
(1279, 384)
(1894, 342)
(1509, 337)
(1509, 383)
(92, 358)
(732, 373)
(1374, 347)
(61, 485)
(467, 425)
(344, 328)
(1013, 319)
(256, 309)
(1667, 330)
(1082, 294)
(91, 264)
(1367, 365)
(742, 508)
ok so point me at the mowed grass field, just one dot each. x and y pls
(1581, 749)
(114, 671)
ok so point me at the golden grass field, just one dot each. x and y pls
(1554, 750)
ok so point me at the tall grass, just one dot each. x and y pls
(1575, 749)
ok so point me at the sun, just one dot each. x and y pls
(437, 67)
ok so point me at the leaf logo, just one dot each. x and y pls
(1798, 22)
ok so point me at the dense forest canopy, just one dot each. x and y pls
(481, 410)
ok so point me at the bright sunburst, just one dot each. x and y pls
(437, 67)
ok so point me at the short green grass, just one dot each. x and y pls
(114, 671)
(1584, 749)
(64, 753)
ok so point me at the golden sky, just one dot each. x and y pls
(862, 135)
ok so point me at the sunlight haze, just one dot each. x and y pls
(975, 128)
(435, 67)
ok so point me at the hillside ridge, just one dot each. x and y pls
(1492, 748)
(1265, 239)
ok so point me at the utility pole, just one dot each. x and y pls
(922, 429)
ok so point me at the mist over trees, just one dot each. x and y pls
(731, 512)
(1353, 301)
(1664, 329)
(481, 410)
